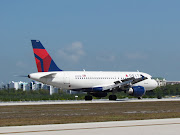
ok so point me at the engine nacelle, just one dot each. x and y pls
(137, 91)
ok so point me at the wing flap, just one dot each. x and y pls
(125, 82)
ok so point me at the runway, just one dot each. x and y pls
(82, 101)
(137, 127)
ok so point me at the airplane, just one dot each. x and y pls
(95, 83)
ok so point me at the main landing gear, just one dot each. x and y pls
(112, 97)
(88, 98)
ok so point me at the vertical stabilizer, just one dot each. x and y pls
(44, 62)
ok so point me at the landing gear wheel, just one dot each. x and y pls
(88, 98)
(139, 97)
(112, 97)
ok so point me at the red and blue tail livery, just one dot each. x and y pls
(44, 61)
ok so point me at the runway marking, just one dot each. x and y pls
(89, 128)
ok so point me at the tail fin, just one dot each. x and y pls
(44, 61)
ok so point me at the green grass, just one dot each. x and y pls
(78, 113)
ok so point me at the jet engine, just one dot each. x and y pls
(137, 91)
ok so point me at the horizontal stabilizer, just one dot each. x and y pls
(52, 75)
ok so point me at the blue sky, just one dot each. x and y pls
(105, 35)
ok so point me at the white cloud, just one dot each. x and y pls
(73, 52)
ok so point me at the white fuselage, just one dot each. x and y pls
(88, 79)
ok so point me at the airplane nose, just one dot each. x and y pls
(155, 84)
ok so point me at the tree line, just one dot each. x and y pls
(168, 90)
(20, 95)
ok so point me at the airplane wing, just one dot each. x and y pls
(125, 82)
